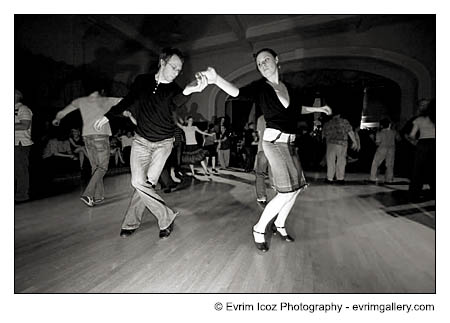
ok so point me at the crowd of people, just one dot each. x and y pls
(161, 142)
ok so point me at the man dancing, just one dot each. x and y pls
(152, 102)
(92, 107)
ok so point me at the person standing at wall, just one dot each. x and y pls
(22, 147)
(249, 149)
(176, 155)
(224, 147)
(424, 169)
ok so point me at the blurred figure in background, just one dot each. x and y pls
(336, 131)
(22, 147)
(385, 141)
(210, 145)
(77, 145)
(424, 169)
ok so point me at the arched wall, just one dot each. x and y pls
(413, 78)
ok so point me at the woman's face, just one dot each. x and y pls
(190, 121)
(267, 64)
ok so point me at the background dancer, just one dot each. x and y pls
(93, 107)
(210, 145)
(193, 153)
(385, 140)
(152, 101)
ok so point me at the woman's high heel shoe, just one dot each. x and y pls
(262, 246)
(286, 237)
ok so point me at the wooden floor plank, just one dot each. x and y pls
(354, 238)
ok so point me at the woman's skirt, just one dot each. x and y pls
(192, 154)
(287, 172)
(211, 150)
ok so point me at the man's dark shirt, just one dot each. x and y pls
(154, 112)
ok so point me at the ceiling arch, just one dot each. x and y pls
(412, 76)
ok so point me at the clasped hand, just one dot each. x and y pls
(198, 85)
(327, 110)
(210, 74)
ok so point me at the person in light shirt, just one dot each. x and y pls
(22, 147)
(93, 107)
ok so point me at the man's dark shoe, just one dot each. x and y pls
(165, 233)
(124, 233)
(329, 181)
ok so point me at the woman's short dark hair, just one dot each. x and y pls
(168, 52)
(269, 50)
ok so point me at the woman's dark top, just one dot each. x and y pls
(153, 106)
(225, 144)
(276, 115)
(78, 142)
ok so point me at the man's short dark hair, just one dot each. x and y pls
(168, 52)
(384, 122)
(102, 85)
(18, 94)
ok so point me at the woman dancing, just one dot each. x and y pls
(281, 108)
(192, 152)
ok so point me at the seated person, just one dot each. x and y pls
(116, 150)
(58, 156)
(77, 145)
(126, 141)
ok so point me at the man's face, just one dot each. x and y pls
(171, 68)
(423, 104)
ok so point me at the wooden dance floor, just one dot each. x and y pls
(355, 238)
